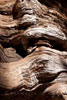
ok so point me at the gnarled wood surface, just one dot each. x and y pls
(33, 50)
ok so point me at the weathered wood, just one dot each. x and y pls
(8, 55)
(33, 50)
(41, 68)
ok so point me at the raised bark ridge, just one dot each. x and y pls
(33, 50)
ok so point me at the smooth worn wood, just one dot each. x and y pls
(33, 50)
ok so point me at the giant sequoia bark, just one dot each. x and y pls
(33, 50)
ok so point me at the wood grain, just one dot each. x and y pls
(33, 50)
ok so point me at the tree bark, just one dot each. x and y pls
(33, 50)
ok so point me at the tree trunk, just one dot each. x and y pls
(33, 50)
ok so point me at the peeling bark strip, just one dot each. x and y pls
(33, 49)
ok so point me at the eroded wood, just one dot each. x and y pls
(33, 50)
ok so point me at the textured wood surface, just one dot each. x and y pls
(33, 50)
